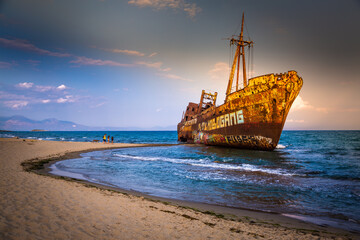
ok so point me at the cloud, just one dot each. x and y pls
(295, 121)
(43, 88)
(39, 88)
(98, 62)
(27, 94)
(190, 8)
(66, 99)
(175, 77)
(61, 87)
(25, 85)
(156, 65)
(166, 69)
(153, 54)
(6, 64)
(220, 71)
(158, 109)
(300, 104)
(126, 52)
(33, 62)
(25, 45)
(16, 104)
(98, 105)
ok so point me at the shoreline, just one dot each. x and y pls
(284, 219)
(210, 215)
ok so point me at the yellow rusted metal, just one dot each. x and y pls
(263, 93)
(252, 117)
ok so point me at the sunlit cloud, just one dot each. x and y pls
(43, 88)
(166, 69)
(25, 85)
(61, 87)
(16, 104)
(25, 45)
(190, 8)
(175, 77)
(219, 71)
(156, 65)
(351, 110)
(300, 104)
(124, 51)
(98, 105)
(66, 99)
(295, 121)
(27, 94)
(153, 54)
(98, 62)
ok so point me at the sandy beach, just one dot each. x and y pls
(35, 206)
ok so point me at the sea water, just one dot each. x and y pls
(315, 174)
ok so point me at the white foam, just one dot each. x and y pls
(5, 135)
(280, 146)
(56, 171)
(209, 164)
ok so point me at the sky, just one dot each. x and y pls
(137, 63)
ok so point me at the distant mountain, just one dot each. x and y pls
(21, 123)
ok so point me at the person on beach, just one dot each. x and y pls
(109, 139)
(104, 138)
(112, 139)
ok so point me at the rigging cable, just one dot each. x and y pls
(252, 60)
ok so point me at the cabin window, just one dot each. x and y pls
(186, 118)
(193, 109)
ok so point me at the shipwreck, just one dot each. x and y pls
(252, 116)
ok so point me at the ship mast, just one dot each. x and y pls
(240, 51)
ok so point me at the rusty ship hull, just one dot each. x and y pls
(251, 118)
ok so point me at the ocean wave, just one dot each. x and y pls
(6, 135)
(280, 146)
(245, 167)
(206, 163)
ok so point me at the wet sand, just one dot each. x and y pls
(38, 206)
